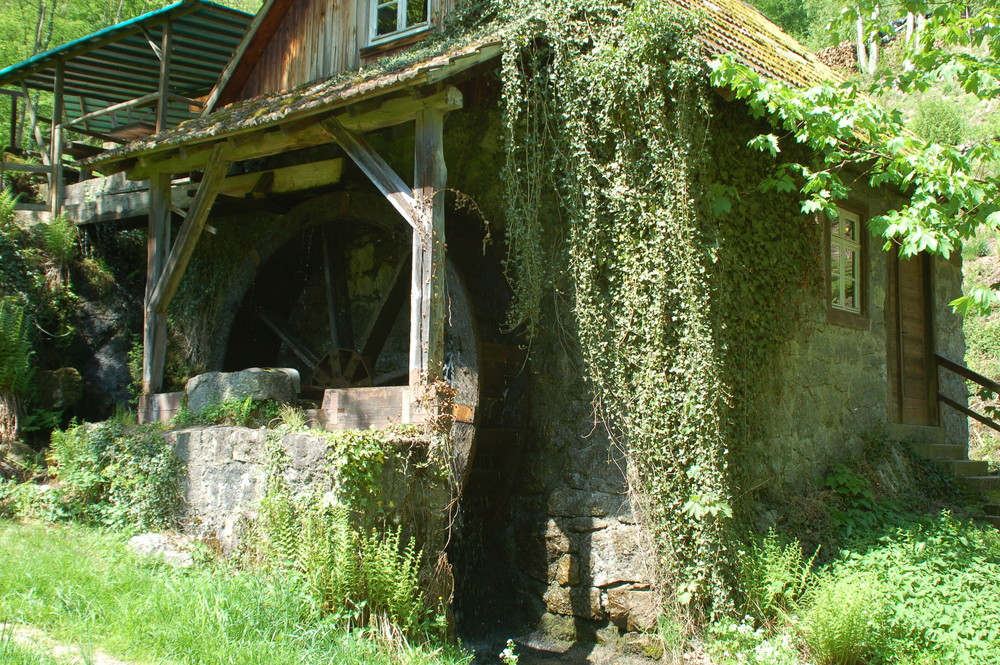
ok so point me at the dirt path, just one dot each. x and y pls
(29, 636)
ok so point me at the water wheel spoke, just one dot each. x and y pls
(291, 338)
(380, 325)
(331, 304)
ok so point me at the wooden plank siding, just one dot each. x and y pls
(316, 39)
(911, 368)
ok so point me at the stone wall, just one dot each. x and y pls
(586, 562)
(227, 473)
(832, 384)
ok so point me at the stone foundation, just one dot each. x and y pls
(227, 473)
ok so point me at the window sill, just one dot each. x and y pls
(404, 39)
(839, 317)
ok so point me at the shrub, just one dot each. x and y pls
(123, 476)
(925, 593)
(358, 576)
(773, 577)
(845, 622)
(246, 412)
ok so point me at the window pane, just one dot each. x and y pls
(386, 22)
(835, 291)
(849, 263)
(850, 228)
(416, 12)
(850, 300)
(835, 227)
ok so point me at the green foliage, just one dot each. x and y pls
(845, 621)
(949, 198)
(925, 593)
(247, 412)
(124, 476)
(59, 239)
(773, 577)
(359, 457)
(606, 120)
(355, 577)
(792, 16)
(940, 121)
(15, 348)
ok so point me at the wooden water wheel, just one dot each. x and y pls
(349, 325)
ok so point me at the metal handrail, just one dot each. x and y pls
(975, 377)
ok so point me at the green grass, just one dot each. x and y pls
(13, 653)
(82, 586)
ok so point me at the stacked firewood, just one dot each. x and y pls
(842, 57)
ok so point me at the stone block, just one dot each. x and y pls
(585, 524)
(583, 602)
(558, 626)
(255, 383)
(643, 644)
(633, 607)
(566, 571)
(618, 554)
(566, 502)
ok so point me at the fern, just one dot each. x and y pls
(7, 201)
(15, 348)
(59, 239)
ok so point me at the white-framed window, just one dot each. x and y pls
(392, 19)
(845, 262)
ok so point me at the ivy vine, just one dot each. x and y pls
(614, 186)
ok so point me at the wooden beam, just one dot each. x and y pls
(187, 238)
(154, 338)
(117, 198)
(163, 97)
(290, 135)
(145, 100)
(428, 282)
(58, 102)
(381, 174)
(28, 168)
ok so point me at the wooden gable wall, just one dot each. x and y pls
(315, 39)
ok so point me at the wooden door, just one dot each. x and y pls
(912, 382)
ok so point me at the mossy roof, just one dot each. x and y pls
(727, 26)
(733, 26)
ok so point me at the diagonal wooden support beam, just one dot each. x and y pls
(187, 238)
(381, 174)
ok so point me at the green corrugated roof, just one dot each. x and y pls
(117, 64)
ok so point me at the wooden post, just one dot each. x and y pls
(187, 238)
(154, 340)
(56, 145)
(163, 104)
(427, 285)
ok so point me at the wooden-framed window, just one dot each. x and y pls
(846, 278)
(389, 20)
